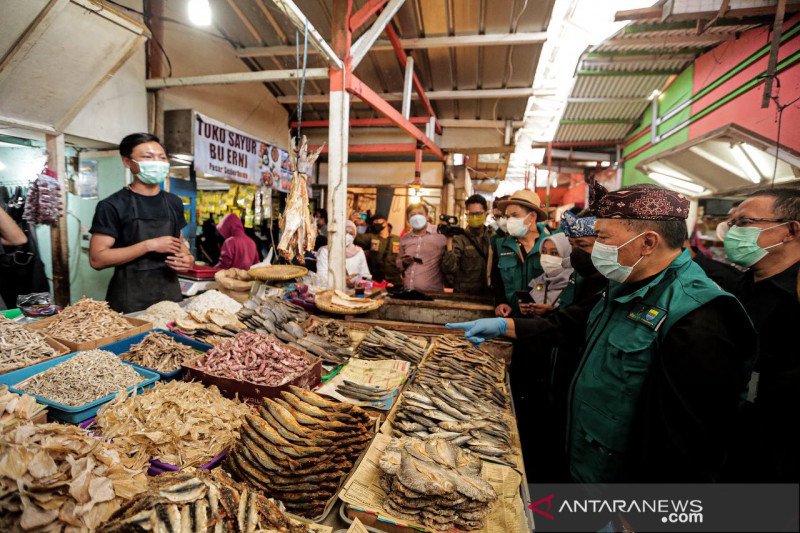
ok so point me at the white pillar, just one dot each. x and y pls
(337, 186)
(408, 87)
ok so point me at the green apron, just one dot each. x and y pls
(623, 333)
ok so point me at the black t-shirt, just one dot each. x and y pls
(116, 211)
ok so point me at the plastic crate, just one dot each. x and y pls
(120, 347)
(66, 413)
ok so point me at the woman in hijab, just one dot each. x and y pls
(355, 262)
(546, 289)
(209, 243)
(238, 250)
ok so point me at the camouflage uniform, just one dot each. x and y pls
(465, 266)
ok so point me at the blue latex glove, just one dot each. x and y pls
(479, 331)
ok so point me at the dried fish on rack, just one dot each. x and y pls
(56, 477)
(198, 502)
(381, 343)
(180, 423)
(83, 378)
(276, 316)
(435, 483)
(160, 352)
(300, 449)
(21, 347)
(298, 233)
(16, 409)
(256, 358)
(86, 320)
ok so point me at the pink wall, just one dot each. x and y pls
(746, 109)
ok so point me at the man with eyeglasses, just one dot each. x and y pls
(137, 230)
(764, 235)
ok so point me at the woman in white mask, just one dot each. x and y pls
(546, 289)
(355, 260)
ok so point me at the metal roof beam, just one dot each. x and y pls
(616, 60)
(608, 100)
(706, 39)
(646, 27)
(470, 94)
(360, 48)
(360, 17)
(659, 13)
(597, 121)
(236, 77)
(662, 72)
(661, 53)
(422, 43)
(301, 22)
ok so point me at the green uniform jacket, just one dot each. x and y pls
(381, 256)
(624, 332)
(465, 266)
(512, 272)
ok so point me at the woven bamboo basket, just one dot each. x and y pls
(323, 301)
(278, 272)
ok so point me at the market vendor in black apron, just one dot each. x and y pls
(137, 230)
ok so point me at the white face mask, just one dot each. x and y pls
(349, 239)
(551, 264)
(418, 222)
(517, 227)
(502, 223)
(606, 260)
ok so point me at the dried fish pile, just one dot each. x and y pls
(381, 343)
(163, 313)
(160, 352)
(213, 326)
(86, 320)
(276, 316)
(300, 449)
(180, 423)
(200, 502)
(436, 484)
(56, 477)
(362, 392)
(16, 409)
(213, 300)
(20, 347)
(83, 378)
(254, 357)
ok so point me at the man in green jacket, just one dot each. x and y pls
(381, 248)
(467, 255)
(668, 353)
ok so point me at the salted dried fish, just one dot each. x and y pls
(435, 483)
(160, 352)
(300, 448)
(255, 358)
(83, 378)
(21, 347)
(297, 231)
(55, 477)
(199, 502)
(180, 423)
(381, 343)
(86, 320)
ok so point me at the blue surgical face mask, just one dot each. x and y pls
(741, 245)
(152, 172)
(605, 258)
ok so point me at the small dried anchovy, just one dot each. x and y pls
(20, 347)
(86, 320)
(84, 378)
(160, 352)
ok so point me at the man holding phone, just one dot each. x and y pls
(421, 252)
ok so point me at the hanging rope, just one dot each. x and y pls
(302, 84)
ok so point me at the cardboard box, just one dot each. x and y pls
(57, 346)
(137, 326)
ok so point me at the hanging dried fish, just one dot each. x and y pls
(83, 378)
(86, 320)
(160, 352)
(180, 423)
(56, 477)
(20, 347)
(297, 232)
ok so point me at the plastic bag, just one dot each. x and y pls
(36, 304)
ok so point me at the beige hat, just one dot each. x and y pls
(525, 198)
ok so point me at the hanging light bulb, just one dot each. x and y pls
(199, 12)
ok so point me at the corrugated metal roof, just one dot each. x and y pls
(472, 67)
(674, 49)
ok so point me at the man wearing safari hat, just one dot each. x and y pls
(517, 261)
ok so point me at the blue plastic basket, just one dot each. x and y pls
(66, 413)
(120, 347)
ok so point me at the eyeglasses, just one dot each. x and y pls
(743, 222)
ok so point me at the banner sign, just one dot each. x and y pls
(225, 152)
